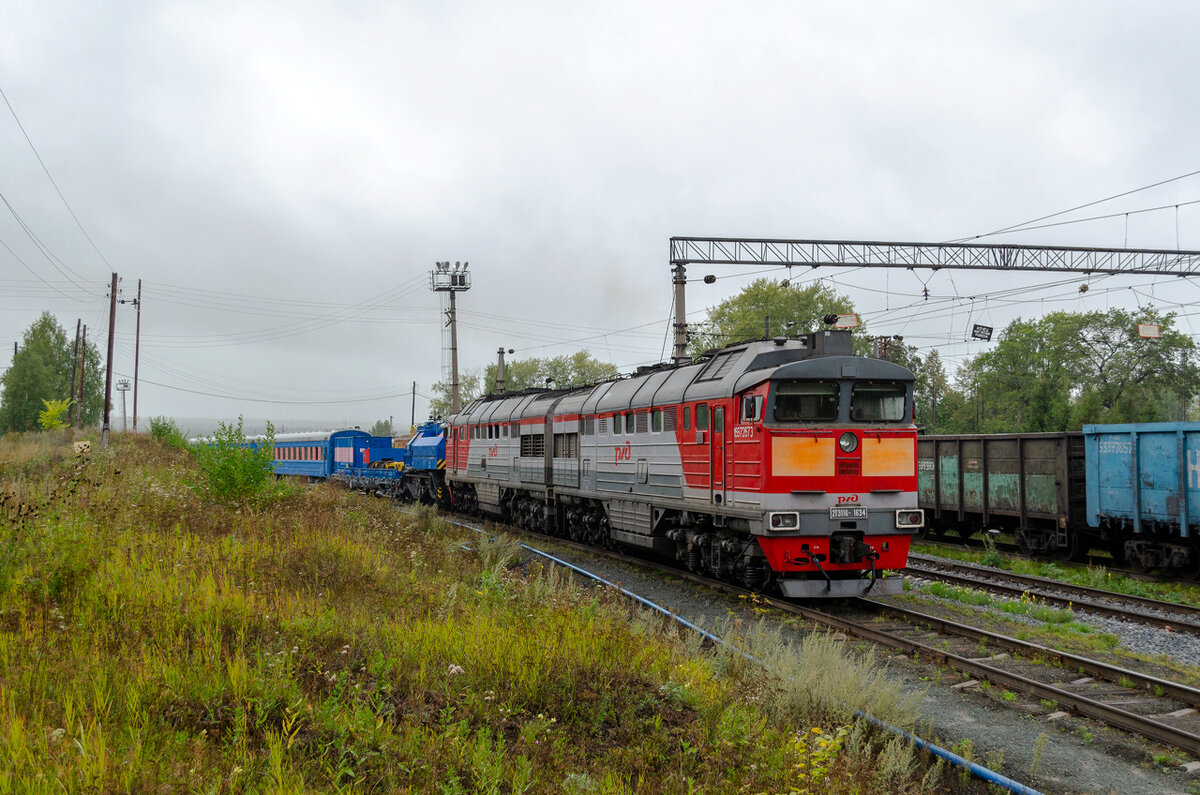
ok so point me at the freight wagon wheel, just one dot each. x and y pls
(1191, 569)
(1023, 544)
(1073, 552)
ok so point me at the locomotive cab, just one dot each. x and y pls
(841, 474)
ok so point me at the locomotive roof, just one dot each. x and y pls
(822, 354)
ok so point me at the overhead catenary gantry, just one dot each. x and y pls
(934, 256)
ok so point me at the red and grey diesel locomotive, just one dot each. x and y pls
(789, 462)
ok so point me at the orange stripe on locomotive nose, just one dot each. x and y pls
(802, 455)
(888, 457)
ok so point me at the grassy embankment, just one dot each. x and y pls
(152, 637)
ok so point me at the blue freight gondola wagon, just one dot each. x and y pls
(1144, 477)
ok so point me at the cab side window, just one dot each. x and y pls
(752, 408)
(702, 418)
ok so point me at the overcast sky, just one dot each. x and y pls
(283, 176)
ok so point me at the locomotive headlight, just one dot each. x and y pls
(785, 521)
(848, 442)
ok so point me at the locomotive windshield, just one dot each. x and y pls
(877, 401)
(806, 401)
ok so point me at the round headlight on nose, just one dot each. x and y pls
(848, 442)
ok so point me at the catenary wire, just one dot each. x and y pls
(57, 190)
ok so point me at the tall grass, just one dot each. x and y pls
(154, 638)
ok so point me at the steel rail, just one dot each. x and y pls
(972, 577)
(1113, 716)
(1112, 673)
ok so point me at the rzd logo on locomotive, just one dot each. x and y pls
(622, 453)
(847, 498)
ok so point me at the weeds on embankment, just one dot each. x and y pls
(153, 639)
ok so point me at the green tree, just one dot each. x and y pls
(41, 371)
(564, 371)
(930, 390)
(1067, 369)
(576, 369)
(468, 390)
(51, 418)
(381, 428)
(743, 316)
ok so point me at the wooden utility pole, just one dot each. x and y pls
(413, 418)
(71, 407)
(112, 328)
(82, 375)
(137, 346)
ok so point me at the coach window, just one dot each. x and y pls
(656, 421)
(702, 418)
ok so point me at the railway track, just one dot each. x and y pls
(1099, 561)
(1156, 709)
(1138, 609)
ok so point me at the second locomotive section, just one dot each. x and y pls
(786, 461)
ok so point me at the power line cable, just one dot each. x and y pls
(38, 275)
(1105, 217)
(1078, 207)
(52, 182)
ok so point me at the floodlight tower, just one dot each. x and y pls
(447, 278)
(123, 387)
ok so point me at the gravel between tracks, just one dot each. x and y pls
(1109, 762)
(1183, 647)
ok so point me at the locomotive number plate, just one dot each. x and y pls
(848, 512)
